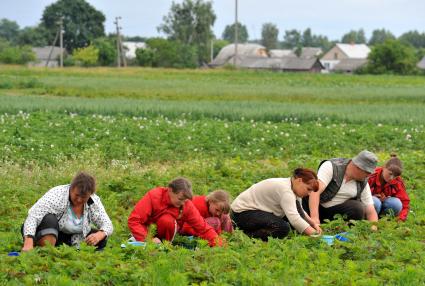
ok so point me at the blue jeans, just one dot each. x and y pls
(390, 204)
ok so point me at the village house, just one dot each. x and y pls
(345, 57)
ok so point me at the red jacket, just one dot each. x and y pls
(157, 202)
(394, 188)
(201, 205)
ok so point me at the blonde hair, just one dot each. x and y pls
(394, 165)
(220, 197)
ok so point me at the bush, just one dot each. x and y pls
(87, 56)
(392, 57)
(107, 51)
(16, 55)
(167, 53)
(145, 57)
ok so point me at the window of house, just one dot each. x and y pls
(336, 56)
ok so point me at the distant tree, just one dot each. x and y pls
(392, 57)
(379, 36)
(88, 56)
(413, 38)
(33, 36)
(134, 38)
(9, 30)
(307, 38)
(269, 36)
(218, 45)
(82, 22)
(356, 37)
(107, 50)
(167, 53)
(229, 33)
(292, 39)
(190, 23)
(15, 54)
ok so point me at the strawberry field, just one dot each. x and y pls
(135, 129)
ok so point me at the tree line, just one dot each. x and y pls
(189, 35)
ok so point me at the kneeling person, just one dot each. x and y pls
(265, 208)
(344, 189)
(64, 214)
(169, 208)
(214, 208)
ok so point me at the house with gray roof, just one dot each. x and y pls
(227, 54)
(348, 54)
(42, 56)
(255, 56)
(421, 64)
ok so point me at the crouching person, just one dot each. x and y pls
(214, 208)
(270, 207)
(388, 190)
(169, 208)
(64, 216)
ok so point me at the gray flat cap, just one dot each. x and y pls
(366, 161)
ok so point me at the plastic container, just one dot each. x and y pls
(341, 237)
(13, 253)
(329, 239)
(133, 243)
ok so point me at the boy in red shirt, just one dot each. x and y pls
(214, 208)
(169, 208)
(388, 190)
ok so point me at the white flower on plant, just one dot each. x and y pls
(408, 137)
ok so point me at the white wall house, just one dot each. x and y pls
(342, 52)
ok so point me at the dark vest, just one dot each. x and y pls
(339, 166)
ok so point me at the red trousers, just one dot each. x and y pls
(166, 227)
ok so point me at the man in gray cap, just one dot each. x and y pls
(343, 189)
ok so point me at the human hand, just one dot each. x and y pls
(156, 240)
(95, 238)
(316, 221)
(317, 228)
(28, 244)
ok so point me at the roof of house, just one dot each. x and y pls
(244, 50)
(285, 63)
(131, 48)
(42, 53)
(354, 51)
(281, 53)
(310, 52)
(421, 64)
(349, 64)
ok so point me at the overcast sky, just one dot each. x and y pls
(332, 18)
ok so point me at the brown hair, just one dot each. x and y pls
(395, 165)
(84, 183)
(308, 176)
(181, 185)
(220, 197)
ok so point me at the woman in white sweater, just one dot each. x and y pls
(265, 208)
(64, 216)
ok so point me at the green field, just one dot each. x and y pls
(139, 128)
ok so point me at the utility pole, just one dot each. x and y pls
(121, 60)
(61, 41)
(212, 49)
(118, 42)
(236, 33)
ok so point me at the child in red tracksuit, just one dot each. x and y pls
(388, 190)
(169, 208)
(214, 208)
